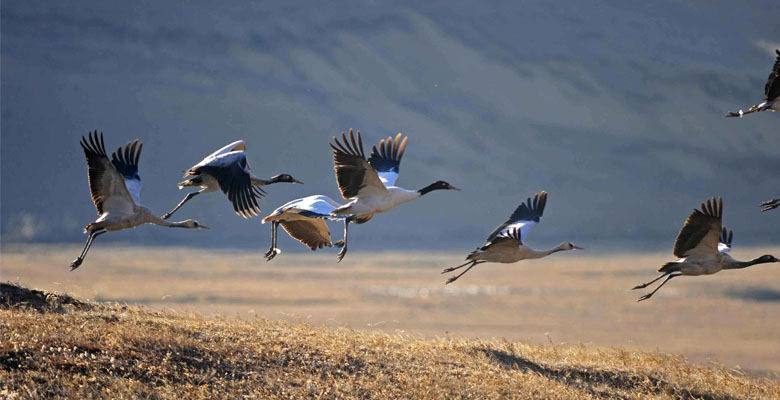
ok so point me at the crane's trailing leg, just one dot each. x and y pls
(444, 271)
(644, 285)
(770, 205)
(273, 251)
(178, 206)
(92, 235)
(454, 278)
(649, 295)
(343, 250)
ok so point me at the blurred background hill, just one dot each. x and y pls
(614, 108)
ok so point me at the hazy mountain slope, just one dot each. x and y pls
(617, 111)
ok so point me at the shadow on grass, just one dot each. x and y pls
(590, 379)
(12, 295)
(755, 293)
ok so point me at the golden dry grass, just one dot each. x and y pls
(570, 298)
(58, 347)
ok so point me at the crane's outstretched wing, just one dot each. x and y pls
(699, 236)
(312, 232)
(126, 163)
(106, 184)
(354, 174)
(232, 173)
(238, 145)
(724, 243)
(317, 206)
(387, 159)
(525, 217)
(772, 87)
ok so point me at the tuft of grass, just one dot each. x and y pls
(55, 346)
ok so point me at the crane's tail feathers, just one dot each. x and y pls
(194, 181)
(670, 267)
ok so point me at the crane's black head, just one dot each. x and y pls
(767, 259)
(284, 178)
(438, 185)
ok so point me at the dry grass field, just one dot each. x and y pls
(59, 347)
(566, 300)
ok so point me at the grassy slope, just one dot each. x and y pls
(56, 346)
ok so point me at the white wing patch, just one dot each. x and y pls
(723, 247)
(134, 188)
(524, 227)
(388, 178)
(238, 145)
(317, 206)
(224, 155)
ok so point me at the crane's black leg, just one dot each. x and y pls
(343, 250)
(647, 296)
(454, 278)
(92, 235)
(273, 251)
(454, 268)
(644, 285)
(178, 206)
(770, 205)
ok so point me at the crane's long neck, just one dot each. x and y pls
(260, 182)
(150, 218)
(544, 253)
(428, 189)
(745, 264)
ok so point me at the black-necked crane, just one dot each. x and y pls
(304, 220)
(369, 184)
(771, 93)
(770, 204)
(116, 191)
(702, 247)
(227, 169)
(505, 243)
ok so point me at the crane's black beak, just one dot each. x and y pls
(203, 227)
(454, 188)
(297, 181)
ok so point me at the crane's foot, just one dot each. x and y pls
(642, 286)
(445, 270)
(770, 205)
(272, 253)
(645, 297)
(453, 279)
(342, 253)
(75, 264)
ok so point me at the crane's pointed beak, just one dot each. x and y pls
(203, 227)
(297, 181)
(577, 247)
(454, 188)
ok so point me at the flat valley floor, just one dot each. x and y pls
(571, 298)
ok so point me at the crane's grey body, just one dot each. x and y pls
(702, 247)
(505, 244)
(771, 93)
(115, 187)
(304, 220)
(369, 184)
(227, 170)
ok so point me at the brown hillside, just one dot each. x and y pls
(55, 346)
